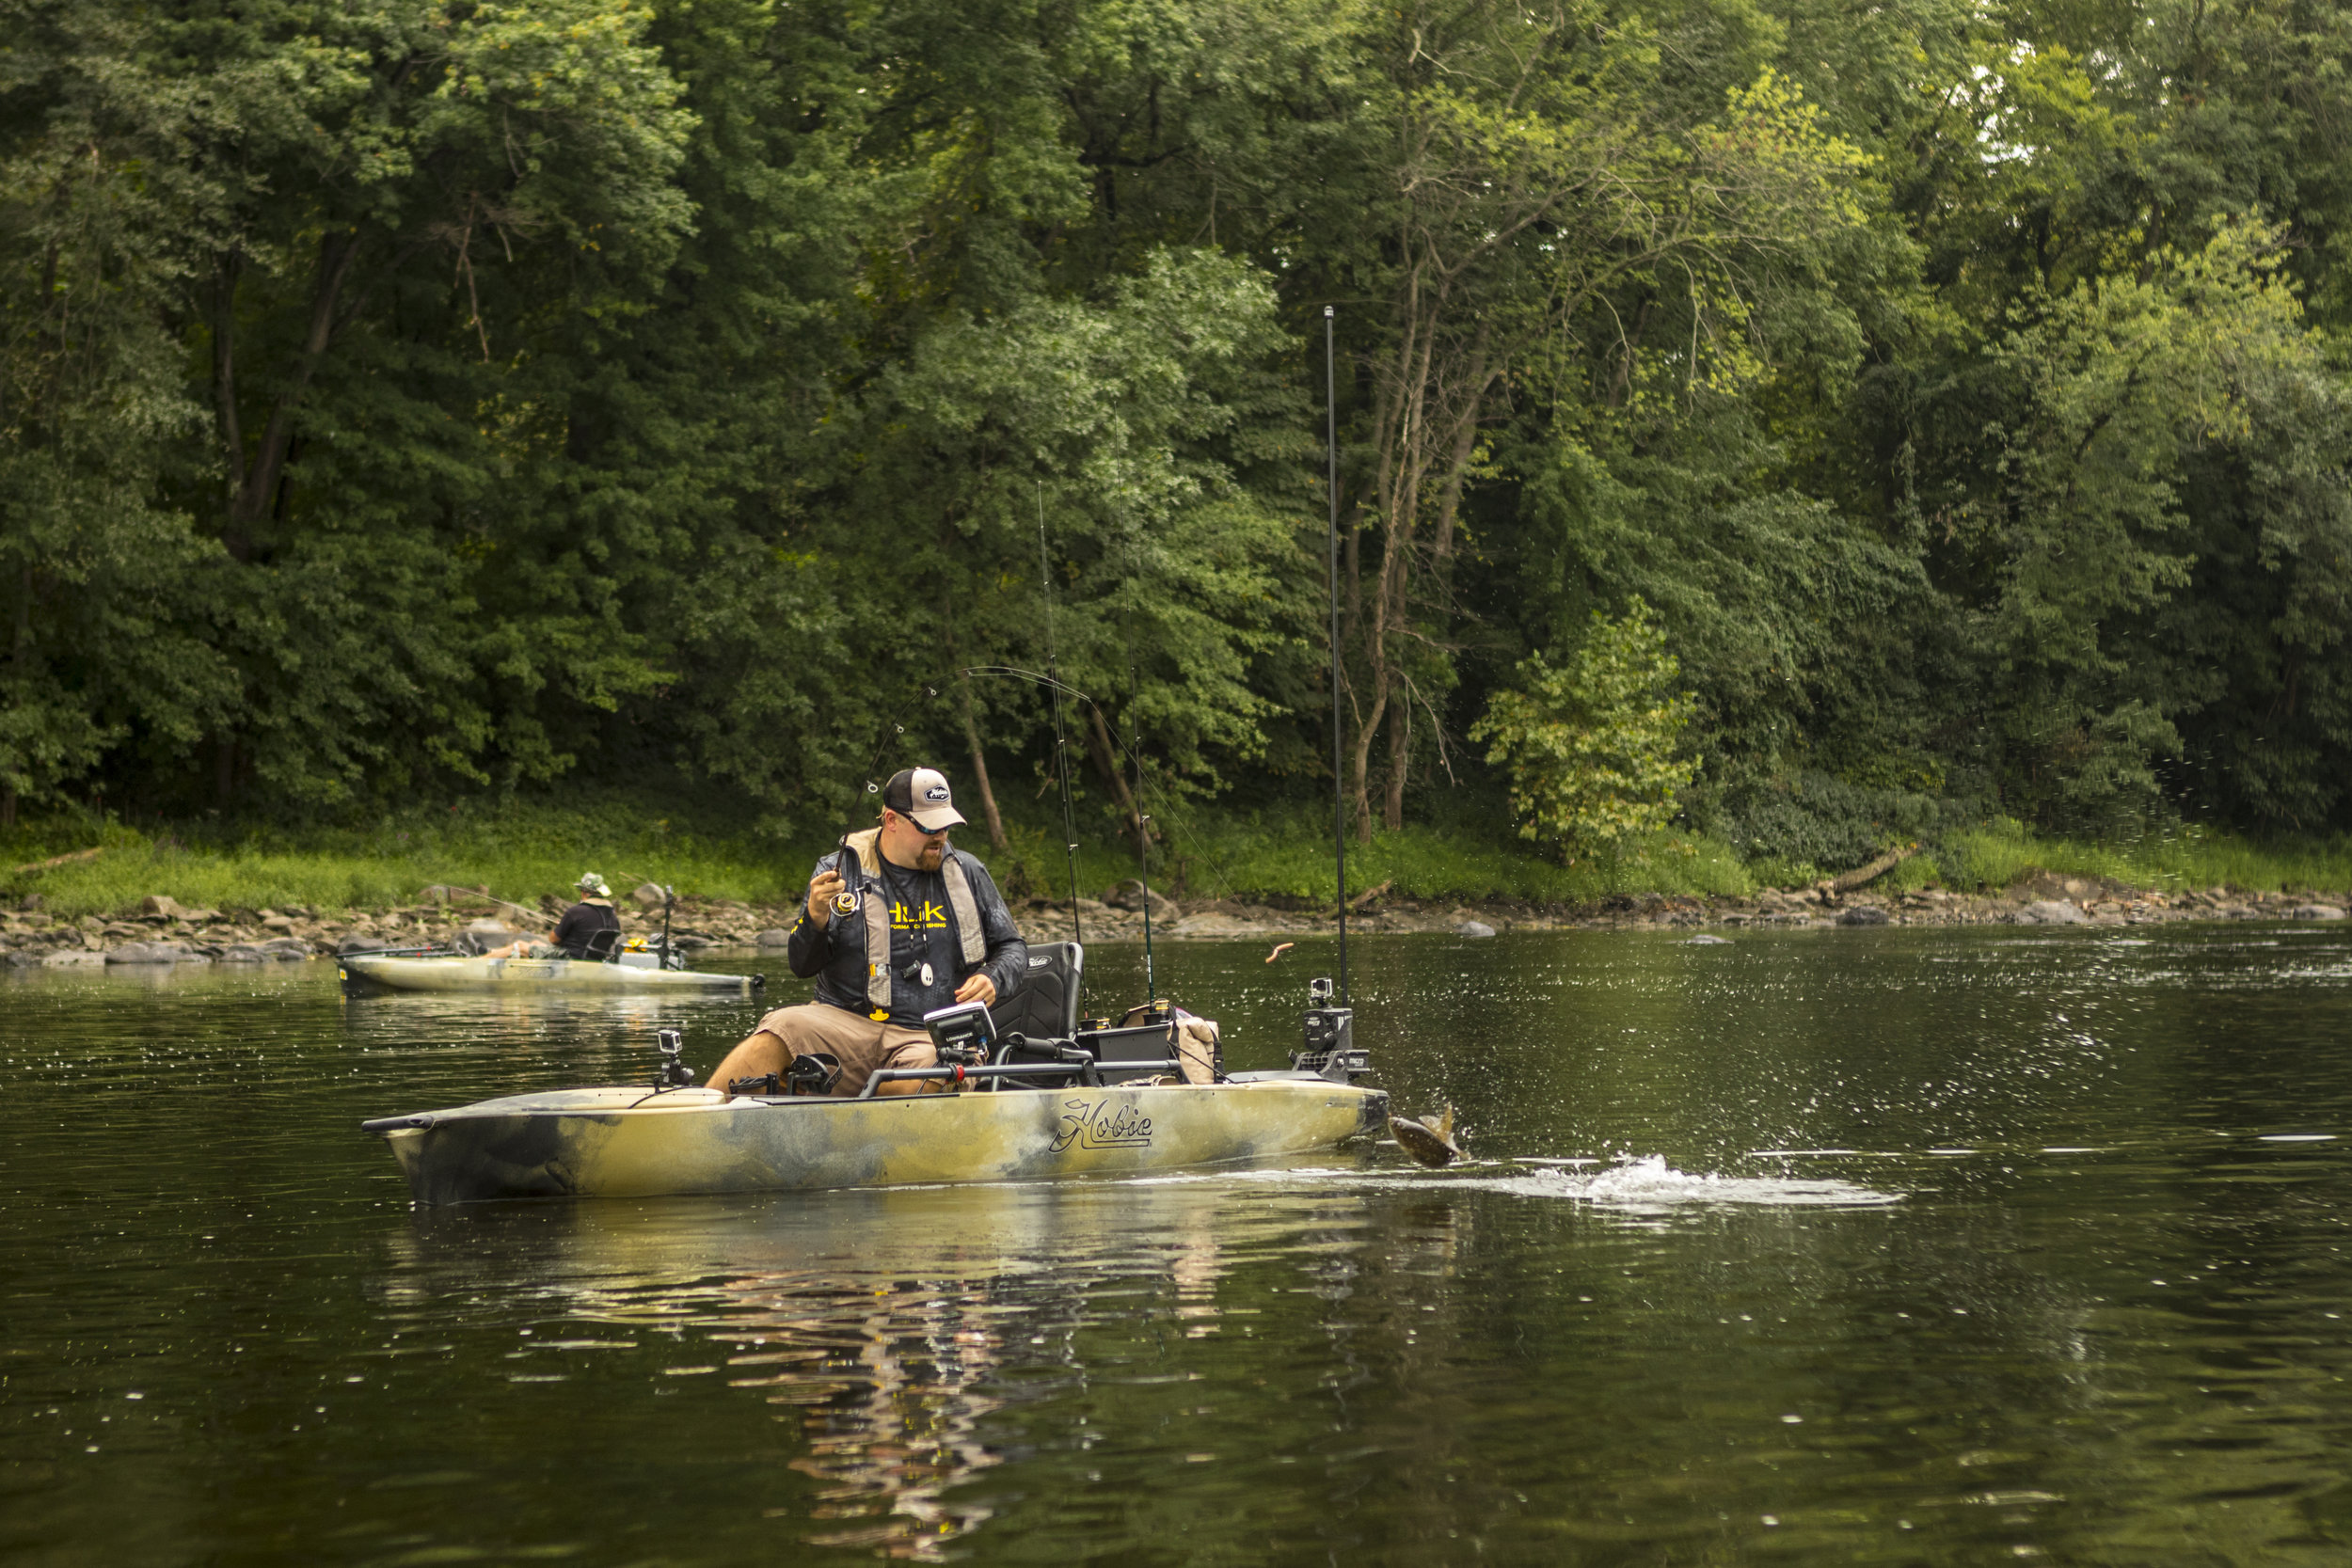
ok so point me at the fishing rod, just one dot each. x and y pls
(1061, 741)
(1143, 832)
(845, 902)
(1143, 869)
(1339, 789)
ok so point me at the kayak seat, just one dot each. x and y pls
(1040, 1015)
(601, 945)
(1044, 1006)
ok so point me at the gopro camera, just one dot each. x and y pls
(1330, 1036)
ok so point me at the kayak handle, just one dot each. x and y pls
(389, 1125)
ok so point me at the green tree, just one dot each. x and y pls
(95, 571)
(1591, 746)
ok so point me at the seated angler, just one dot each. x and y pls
(577, 929)
(929, 928)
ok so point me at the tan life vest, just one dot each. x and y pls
(866, 849)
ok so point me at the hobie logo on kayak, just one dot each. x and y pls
(1102, 1124)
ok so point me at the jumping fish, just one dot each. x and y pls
(1430, 1141)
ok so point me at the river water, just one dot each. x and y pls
(1866, 1247)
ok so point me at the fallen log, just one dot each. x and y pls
(58, 859)
(1862, 876)
(1370, 894)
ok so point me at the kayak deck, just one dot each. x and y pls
(636, 1142)
(447, 974)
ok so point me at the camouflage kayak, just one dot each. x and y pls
(452, 973)
(634, 1141)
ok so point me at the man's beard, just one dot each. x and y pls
(933, 855)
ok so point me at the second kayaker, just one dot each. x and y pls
(575, 933)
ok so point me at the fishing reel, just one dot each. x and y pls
(845, 902)
(672, 1073)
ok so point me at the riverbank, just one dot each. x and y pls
(166, 931)
(72, 890)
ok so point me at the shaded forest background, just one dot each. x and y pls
(419, 402)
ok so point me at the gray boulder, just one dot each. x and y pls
(776, 936)
(22, 958)
(151, 953)
(1473, 928)
(242, 953)
(1129, 896)
(286, 950)
(2317, 911)
(1703, 940)
(647, 897)
(2050, 911)
(1863, 914)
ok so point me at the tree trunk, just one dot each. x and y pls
(1399, 760)
(1105, 759)
(979, 774)
(257, 487)
(225, 371)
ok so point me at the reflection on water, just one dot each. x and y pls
(1880, 1247)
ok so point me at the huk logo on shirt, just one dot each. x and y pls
(930, 917)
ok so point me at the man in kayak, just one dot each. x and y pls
(581, 922)
(929, 928)
(592, 913)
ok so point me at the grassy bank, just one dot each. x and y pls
(522, 852)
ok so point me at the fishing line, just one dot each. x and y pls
(845, 902)
(1120, 750)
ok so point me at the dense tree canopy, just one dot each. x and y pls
(400, 397)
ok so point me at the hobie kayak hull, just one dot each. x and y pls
(631, 1143)
(447, 974)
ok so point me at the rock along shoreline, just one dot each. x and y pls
(167, 932)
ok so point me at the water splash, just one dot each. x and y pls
(1650, 1185)
(1645, 1186)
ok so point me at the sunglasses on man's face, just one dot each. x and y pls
(927, 832)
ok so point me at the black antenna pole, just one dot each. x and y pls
(1338, 786)
(1143, 862)
(1061, 742)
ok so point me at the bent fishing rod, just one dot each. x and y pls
(845, 902)
(1060, 689)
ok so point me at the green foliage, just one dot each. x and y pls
(2179, 860)
(1591, 746)
(447, 402)
(519, 852)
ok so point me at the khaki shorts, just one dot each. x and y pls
(863, 1046)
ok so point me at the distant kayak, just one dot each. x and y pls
(457, 974)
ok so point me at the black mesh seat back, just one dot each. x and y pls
(601, 945)
(1045, 1008)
